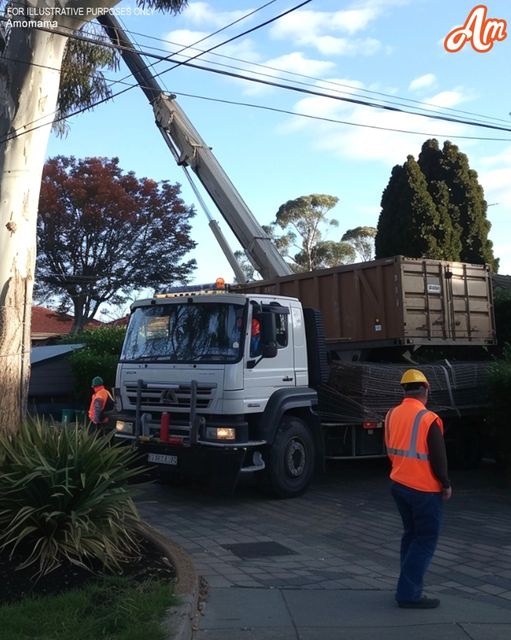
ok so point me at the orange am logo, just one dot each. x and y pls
(480, 31)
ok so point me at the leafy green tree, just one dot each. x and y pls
(452, 220)
(362, 241)
(102, 234)
(301, 219)
(325, 254)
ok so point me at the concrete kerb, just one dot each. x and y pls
(181, 618)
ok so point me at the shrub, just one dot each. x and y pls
(99, 358)
(64, 497)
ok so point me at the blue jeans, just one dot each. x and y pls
(421, 513)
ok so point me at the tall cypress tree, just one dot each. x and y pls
(408, 218)
(449, 224)
(449, 230)
(469, 207)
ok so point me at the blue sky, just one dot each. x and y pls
(380, 50)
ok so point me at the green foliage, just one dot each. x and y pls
(99, 358)
(362, 241)
(435, 208)
(302, 219)
(325, 254)
(106, 340)
(82, 83)
(63, 496)
(113, 608)
(408, 218)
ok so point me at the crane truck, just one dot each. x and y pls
(197, 396)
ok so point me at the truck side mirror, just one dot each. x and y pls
(269, 350)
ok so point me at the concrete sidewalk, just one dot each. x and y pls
(333, 614)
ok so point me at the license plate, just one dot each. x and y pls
(161, 458)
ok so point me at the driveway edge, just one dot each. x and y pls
(182, 618)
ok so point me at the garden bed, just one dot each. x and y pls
(150, 564)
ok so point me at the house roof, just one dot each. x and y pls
(47, 323)
(41, 354)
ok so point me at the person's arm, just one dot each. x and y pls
(97, 410)
(438, 458)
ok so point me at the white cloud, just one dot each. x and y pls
(201, 13)
(327, 31)
(330, 31)
(369, 140)
(426, 81)
(280, 67)
(447, 99)
(496, 179)
(186, 38)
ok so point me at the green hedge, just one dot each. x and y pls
(99, 358)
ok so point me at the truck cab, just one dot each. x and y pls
(215, 382)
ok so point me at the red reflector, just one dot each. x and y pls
(176, 440)
(369, 425)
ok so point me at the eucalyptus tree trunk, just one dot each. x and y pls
(29, 82)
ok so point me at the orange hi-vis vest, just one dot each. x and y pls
(103, 395)
(406, 437)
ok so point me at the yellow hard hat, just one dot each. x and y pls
(414, 375)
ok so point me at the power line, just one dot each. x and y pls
(111, 45)
(334, 83)
(334, 120)
(352, 100)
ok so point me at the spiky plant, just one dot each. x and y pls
(64, 497)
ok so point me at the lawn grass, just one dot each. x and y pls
(110, 609)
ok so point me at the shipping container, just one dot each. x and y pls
(396, 301)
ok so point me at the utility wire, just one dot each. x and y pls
(291, 88)
(104, 42)
(299, 114)
(333, 83)
(353, 90)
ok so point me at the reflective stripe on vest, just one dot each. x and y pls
(412, 451)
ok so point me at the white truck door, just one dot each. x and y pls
(270, 374)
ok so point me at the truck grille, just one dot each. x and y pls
(163, 399)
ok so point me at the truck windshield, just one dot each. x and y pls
(188, 332)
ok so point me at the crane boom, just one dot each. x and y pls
(189, 149)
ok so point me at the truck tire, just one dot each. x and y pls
(290, 460)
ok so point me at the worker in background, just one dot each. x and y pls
(416, 448)
(255, 338)
(101, 402)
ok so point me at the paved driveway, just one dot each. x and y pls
(343, 534)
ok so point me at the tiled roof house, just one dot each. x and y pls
(48, 324)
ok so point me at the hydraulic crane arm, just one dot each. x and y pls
(189, 149)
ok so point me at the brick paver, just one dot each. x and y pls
(344, 533)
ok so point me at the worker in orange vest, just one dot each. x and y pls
(420, 483)
(101, 401)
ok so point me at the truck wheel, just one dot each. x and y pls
(290, 460)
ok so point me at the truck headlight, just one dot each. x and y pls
(221, 433)
(124, 427)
